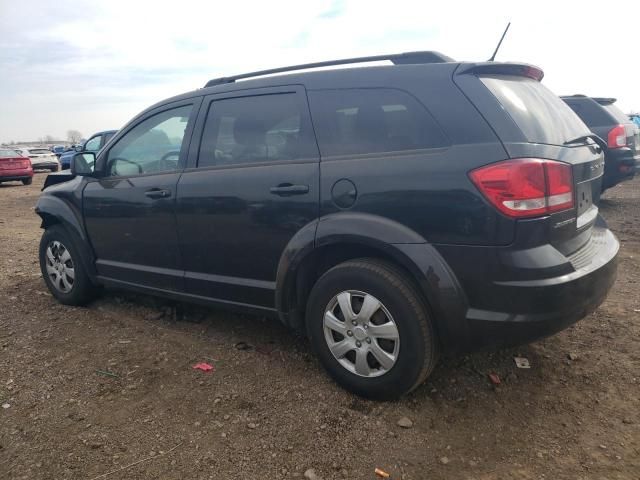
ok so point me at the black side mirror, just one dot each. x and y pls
(82, 164)
(78, 148)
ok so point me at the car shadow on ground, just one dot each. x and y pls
(456, 378)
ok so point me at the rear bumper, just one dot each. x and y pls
(45, 165)
(508, 313)
(16, 174)
(620, 165)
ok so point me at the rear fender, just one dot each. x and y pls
(392, 240)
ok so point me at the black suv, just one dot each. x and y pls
(620, 136)
(388, 212)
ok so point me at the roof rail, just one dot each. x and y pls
(397, 59)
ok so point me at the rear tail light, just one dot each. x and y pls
(617, 137)
(526, 187)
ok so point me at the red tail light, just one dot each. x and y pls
(526, 187)
(617, 137)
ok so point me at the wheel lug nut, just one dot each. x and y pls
(368, 340)
(358, 344)
(354, 323)
(365, 326)
(350, 333)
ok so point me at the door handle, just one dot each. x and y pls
(157, 193)
(286, 189)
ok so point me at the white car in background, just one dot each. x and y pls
(41, 158)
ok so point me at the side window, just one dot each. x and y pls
(358, 121)
(263, 128)
(152, 146)
(93, 145)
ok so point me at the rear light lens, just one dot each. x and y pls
(526, 187)
(617, 137)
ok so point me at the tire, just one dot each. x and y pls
(27, 181)
(53, 169)
(67, 289)
(408, 361)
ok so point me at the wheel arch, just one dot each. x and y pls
(341, 237)
(55, 211)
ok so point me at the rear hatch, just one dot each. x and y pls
(10, 160)
(533, 122)
(631, 129)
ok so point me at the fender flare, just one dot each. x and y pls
(434, 278)
(63, 213)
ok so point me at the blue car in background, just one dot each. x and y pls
(635, 119)
(58, 150)
(94, 144)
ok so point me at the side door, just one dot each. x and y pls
(251, 185)
(129, 210)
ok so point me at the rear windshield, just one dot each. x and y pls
(5, 153)
(616, 113)
(539, 113)
(39, 150)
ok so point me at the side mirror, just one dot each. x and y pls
(78, 148)
(82, 164)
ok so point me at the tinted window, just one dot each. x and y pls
(152, 146)
(616, 113)
(263, 128)
(356, 121)
(590, 112)
(39, 151)
(93, 145)
(541, 115)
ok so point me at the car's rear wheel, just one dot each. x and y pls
(27, 181)
(63, 268)
(371, 329)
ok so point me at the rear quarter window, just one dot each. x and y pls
(372, 120)
(540, 114)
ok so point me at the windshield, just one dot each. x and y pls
(539, 113)
(39, 150)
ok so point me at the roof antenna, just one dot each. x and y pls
(499, 43)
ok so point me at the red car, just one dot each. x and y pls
(15, 167)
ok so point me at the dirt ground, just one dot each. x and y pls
(109, 391)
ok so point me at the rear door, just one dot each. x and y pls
(251, 185)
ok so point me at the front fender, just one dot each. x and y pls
(61, 204)
(53, 208)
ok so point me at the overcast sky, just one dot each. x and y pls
(92, 65)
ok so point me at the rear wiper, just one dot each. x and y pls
(582, 138)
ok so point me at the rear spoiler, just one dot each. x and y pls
(605, 101)
(494, 68)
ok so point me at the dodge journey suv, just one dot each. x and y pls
(620, 136)
(387, 212)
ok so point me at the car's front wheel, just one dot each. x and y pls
(63, 268)
(371, 329)
(27, 181)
